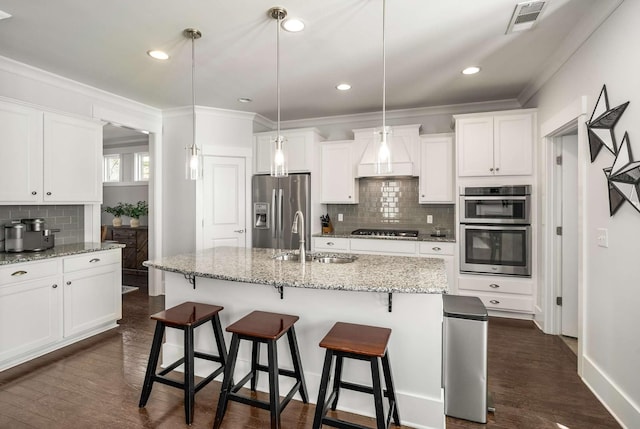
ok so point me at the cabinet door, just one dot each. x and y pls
(31, 314)
(338, 182)
(21, 148)
(436, 169)
(513, 145)
(474, 141)
(298, 148)
(72, 160)
(92, 297)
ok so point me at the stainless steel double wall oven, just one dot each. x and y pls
(495, 230)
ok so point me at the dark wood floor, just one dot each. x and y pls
(96, 384)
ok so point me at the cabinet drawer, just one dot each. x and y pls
(14, 273)
(496, 285)
(501, 302)
(436, 248)
(123, 234)
(336, 244)
(91, 260)
(390, 247)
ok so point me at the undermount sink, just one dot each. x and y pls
(318, 257)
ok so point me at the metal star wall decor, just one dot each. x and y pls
(601, 124)
(624, 176)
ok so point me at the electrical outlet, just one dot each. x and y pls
(602, 237)
(429, 218)
(340, 217)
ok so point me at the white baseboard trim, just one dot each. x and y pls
(415, 411)
(623, 409)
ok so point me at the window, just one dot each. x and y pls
(111, 168)
(141, 173)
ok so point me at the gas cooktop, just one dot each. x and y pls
(404, 233)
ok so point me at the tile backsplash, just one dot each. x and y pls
(68, 219)
(391, 203)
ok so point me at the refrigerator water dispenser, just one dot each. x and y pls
(261, 215)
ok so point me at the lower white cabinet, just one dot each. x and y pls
(322, 244)
(444, 251)
(384, 247)
(499, 293)
(45, 305)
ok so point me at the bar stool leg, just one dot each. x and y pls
(274, 388)
(391, 391)
(322, 393)
(336, 382)
(217, 331)
(297, 363)
(189, 382)
(377, 393)
(152, 364)
(255, 361)
(227, 381)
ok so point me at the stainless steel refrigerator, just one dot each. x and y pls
(275, 202)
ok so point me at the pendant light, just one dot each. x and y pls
(193, 156)
(382, 135)
(278, 159)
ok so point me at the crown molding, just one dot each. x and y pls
(213, 111)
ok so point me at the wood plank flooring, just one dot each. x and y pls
(96, 384)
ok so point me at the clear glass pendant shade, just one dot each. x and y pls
(193, 163)
(279, 161)
(383, 139)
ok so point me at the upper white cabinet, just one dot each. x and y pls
(496, 143)
(339, 185)
(298, 148)
(436, 169)
(51, 158)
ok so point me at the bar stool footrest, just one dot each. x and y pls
(233, 396)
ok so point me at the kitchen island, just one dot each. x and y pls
(401, 293)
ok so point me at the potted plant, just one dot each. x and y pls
(134, 211)
(117, 211)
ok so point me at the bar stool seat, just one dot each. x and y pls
(186, 316)
(361, 342)
(262, 327)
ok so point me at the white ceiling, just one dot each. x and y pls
(104, 43)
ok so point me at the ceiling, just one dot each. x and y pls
(428, 42)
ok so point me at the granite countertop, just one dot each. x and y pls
(421, 237)
(369, 273)
(57, 251)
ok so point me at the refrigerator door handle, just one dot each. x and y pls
(274, 226)
(280, 207)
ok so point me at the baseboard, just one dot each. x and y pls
(510, 314)
(415, 411)
(614, 400)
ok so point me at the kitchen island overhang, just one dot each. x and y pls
(322, 294)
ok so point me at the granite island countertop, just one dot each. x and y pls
(369, 273)
(57, 251)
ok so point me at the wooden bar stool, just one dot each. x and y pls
(361, 342)
(262, 327)
(187, 317)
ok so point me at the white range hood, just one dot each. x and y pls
(404, 147)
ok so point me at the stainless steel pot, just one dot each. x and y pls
(34, 224)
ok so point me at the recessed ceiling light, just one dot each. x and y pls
(245, 100)
(471, 70)
(343, 87)
(4, 15)
(158, 55)
(293, 25)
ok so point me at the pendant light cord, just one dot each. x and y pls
(193, 91)
(384, 68)
(278, 71)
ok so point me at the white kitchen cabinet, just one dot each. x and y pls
(92, 291)
(30, 308)
(499, 293)
(383, 246)
(46, 305)
(50, 158)
(496, 143)
(298, 149)
(436, 169)
(339, 185)
(330, 244)
(444, 251)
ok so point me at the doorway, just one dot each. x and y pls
(566, 216)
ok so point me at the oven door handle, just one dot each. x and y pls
(495, 227)
(497, 198)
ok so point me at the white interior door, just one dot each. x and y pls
(224, 201)
(569, 222)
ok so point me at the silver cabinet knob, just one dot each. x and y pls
(34, 193)
(69, 282)
(330, 243)
(349, 196)
(494, 286)
(494, 301)
(422, 195)
(94, 260)
(436, 249)
(54, 286)
(239, 231)
(48, 193)
(18, 273)
(497, 168)
(491, 169)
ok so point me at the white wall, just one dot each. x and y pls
(611, 295)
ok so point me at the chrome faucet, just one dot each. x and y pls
(294, 230)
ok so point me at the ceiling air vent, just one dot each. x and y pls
(525, 15)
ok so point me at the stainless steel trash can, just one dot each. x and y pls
(464, 356)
